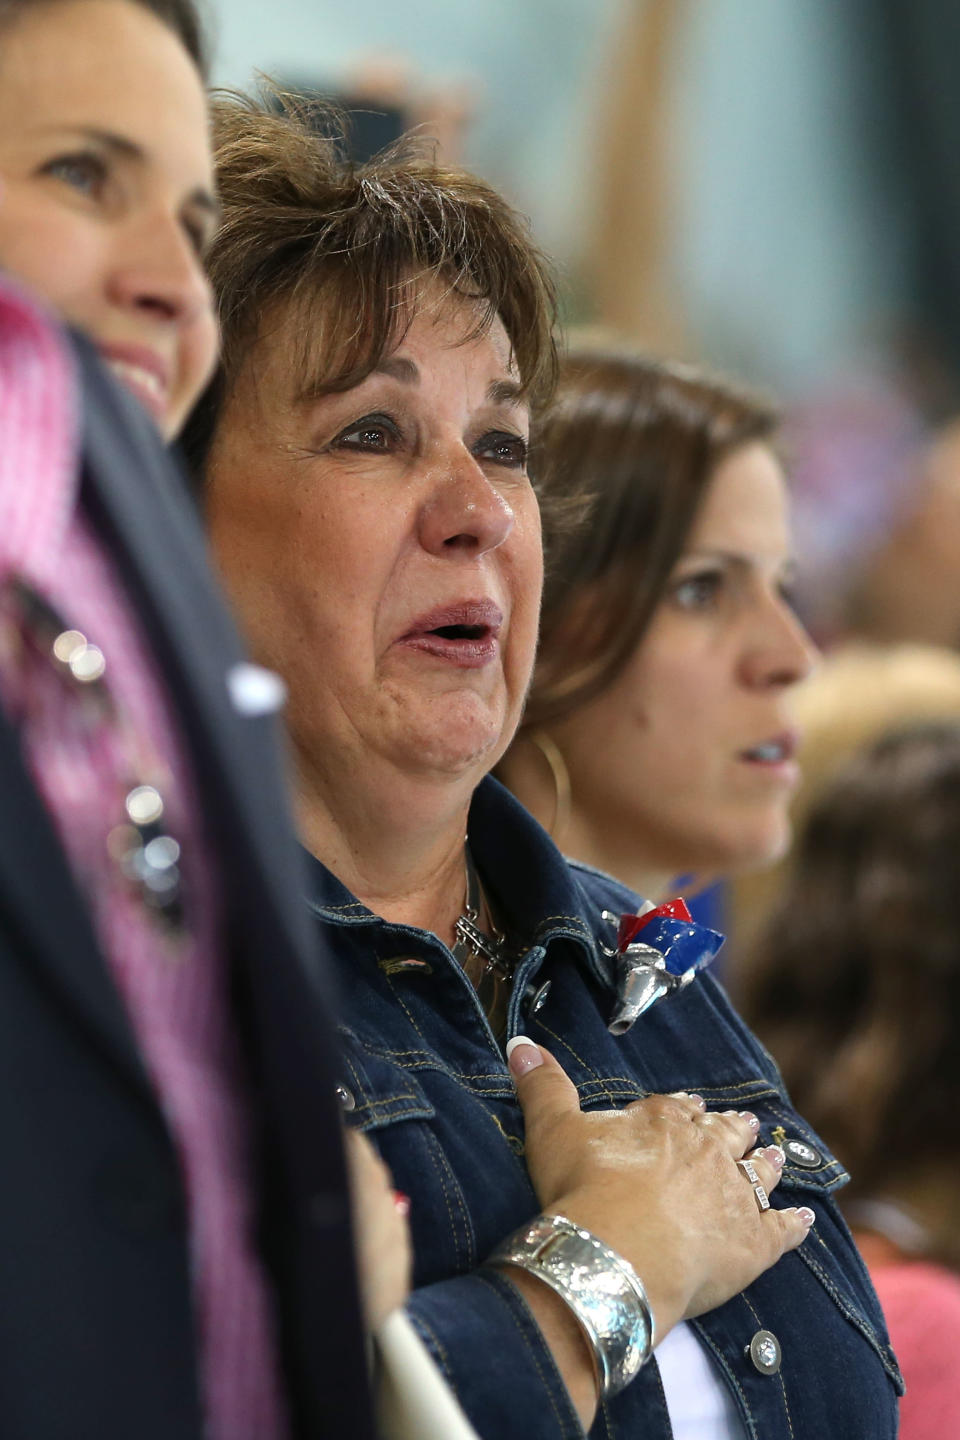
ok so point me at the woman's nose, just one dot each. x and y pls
(782, 653)
(464, 514)
(159, 273)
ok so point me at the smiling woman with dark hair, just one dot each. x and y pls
(107, 201)
(165, 1272)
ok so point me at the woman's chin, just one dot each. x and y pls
(465, 741)
(758, 849)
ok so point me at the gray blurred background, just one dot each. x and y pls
(766, 186)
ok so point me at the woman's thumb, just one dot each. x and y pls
(543, 1087)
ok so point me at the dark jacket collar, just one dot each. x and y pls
(538, 892)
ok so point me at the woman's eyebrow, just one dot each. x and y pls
(118, 144)
(734, 559)
(712, 552)
(506, 392)
(126, 149)
(398, 368)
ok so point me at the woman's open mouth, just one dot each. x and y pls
(775, 757)
(465, 633)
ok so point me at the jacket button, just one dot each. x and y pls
(346, 1098)
(764, 1351)
(798, 1152)
(538, 998)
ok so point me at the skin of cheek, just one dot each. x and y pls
(51, 251)
(664, 775)
(309, 609)
(198, 351)
(65, 259)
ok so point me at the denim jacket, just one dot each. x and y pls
(426, 1079)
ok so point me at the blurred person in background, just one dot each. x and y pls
(387, 333)
(856, 694)
(174, 1202)
(657, 739)
(877, 511)
(855, 987)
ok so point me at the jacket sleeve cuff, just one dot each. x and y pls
(483, 1336)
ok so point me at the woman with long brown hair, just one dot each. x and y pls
(657, 738)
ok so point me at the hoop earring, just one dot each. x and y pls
(560, 776)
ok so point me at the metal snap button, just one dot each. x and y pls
(346, 1098)
(539, 998)
(798, 1152)
(764, 1351)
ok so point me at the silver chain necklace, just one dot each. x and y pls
(475, 944)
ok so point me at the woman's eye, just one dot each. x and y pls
(372, 434)
(698, 592)
(83, 172)
(503, 449)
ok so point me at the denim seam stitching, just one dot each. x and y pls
(405, 1008)
(426, 1328)
(858, 1321)
(724, 1365)
(445, 1175)
(424, 1060)
(395, 1108)
(766, 1090)
(510, 1139)
(599, 1080)
(338, 910)
(575, 920)
(532, 1352)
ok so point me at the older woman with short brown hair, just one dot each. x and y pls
(388, 333)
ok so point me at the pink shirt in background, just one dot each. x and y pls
(922, 1306)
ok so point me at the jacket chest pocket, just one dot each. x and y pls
(388, 1103)
(811, 1175)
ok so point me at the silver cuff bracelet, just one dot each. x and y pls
(602, 1290)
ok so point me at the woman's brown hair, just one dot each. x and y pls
(631, 442)
(855, 983)
(351, 248)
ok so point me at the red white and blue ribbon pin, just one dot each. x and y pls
(658, 952)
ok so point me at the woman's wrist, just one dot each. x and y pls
(599, 1287)
(564, 1338)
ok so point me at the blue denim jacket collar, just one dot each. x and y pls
(526, 876)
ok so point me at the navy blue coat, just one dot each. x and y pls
(96, 1326)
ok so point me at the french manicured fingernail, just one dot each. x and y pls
(699, 1101)
(806, 1215)
(775, 1156)
(750, 1118)
(401, 1202)
(522, 1055)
